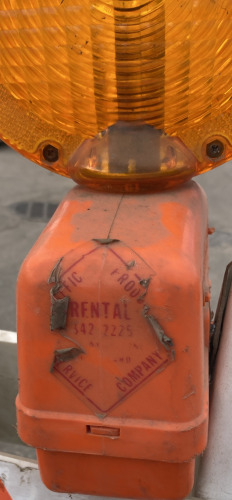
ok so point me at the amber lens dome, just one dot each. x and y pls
(72, 68)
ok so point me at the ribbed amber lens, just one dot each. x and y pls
(71, 68)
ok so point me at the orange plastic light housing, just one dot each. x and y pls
(71, 69)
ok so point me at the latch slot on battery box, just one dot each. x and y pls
(97, 430)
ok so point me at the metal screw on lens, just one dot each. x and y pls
(50, 153)
(214, 149)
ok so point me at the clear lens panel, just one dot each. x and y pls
(129, 157)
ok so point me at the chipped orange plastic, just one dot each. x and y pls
(4, 495)
(113, 343)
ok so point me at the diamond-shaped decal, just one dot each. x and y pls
(119, 344)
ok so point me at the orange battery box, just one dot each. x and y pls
(113, 335)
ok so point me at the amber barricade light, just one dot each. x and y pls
(131, 97)
(72, 69)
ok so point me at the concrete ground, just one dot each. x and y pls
(28, 196)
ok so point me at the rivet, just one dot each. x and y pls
(214, 149)
(50, 153)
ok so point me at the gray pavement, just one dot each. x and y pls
(28, 196)
(21, 182)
